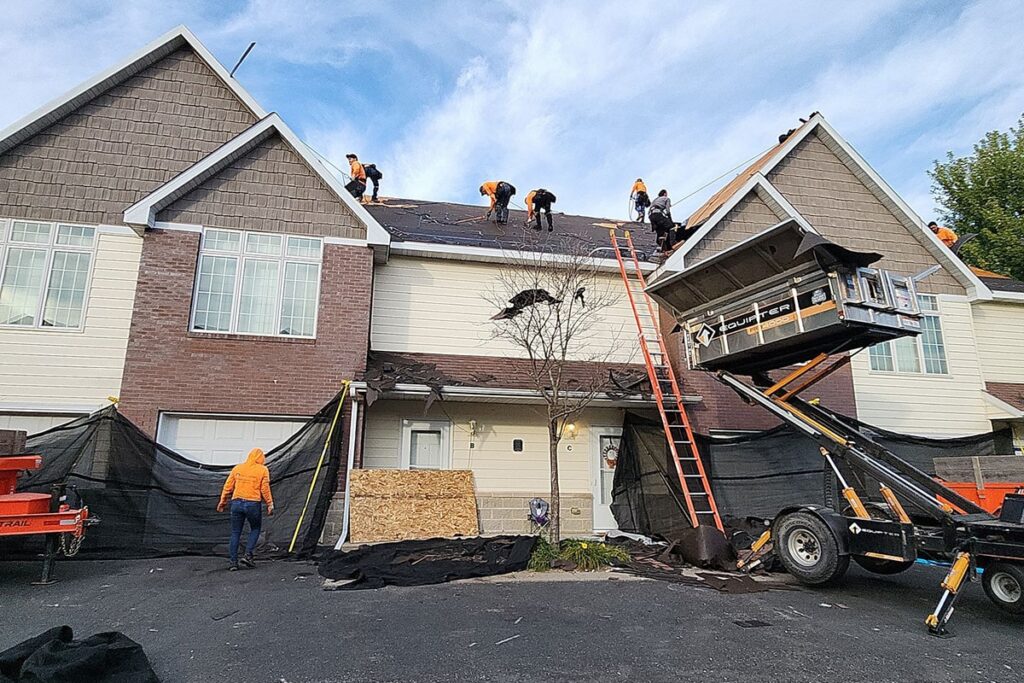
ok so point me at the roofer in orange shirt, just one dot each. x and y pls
(356, 186)
(641, 200)
(537, 202)
(248, 486)
(947, 236)
(500, 194)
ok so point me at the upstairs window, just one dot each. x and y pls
(44, 274)
(257, 283)
(924, 353)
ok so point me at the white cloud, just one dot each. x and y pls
(580, 97)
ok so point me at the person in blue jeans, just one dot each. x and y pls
(248, 487)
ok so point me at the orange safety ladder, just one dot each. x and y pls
(700, 502)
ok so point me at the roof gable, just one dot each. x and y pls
(165, 45)
(763, 168)
(143, 213)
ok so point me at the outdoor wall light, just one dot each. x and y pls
(472, 429)
(570, 430)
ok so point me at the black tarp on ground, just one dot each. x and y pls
(419, 563)
(56, 657)
(752, 475)
(152, 501)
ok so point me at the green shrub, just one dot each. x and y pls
(544, 553)
(591, 555)
(586, 555)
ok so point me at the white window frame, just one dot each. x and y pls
(7, 226)
(933, 311)
(409, 426)
(241, 257)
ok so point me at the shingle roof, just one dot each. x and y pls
(997, 282)
(1008, 392)
(413, 220)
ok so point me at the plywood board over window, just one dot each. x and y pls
(398, 505)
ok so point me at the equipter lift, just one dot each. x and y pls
(789, 297)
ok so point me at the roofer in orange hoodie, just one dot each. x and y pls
(248, 487)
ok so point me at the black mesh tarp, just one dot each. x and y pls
(752, 475)
(152, 501)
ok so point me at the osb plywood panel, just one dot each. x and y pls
(399, 505)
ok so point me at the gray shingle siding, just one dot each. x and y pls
(270, 189)
(842, 208)
(749, 217)
(109, 153)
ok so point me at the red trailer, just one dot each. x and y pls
(23, 514)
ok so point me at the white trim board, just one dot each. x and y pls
(170, 42)
(142, 214)
(488, 255)
(860, 167)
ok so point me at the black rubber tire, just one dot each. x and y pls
(826, 566)
(1008, 572)
(877, 565)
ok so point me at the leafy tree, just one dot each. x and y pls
(983, 193)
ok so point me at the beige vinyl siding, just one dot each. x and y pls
(72, 370)
(442, 306)
(929, 405)
(496, 467)
(1000, 334)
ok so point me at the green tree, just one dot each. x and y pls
(983, 193)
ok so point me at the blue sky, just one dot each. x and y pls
(579, 97)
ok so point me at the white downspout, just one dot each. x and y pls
(348, 471)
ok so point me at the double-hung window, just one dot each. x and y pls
(44, 274)
(924, 353)
(257, 283)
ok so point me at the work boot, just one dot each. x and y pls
(233, 567)
(248, 562)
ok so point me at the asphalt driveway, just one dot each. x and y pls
(199, 622)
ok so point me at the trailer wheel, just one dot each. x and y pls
(1004, 585)
(809, 550)
(877, 565)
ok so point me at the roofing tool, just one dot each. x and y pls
(788, 297)
(700, 501)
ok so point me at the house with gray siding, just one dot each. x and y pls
(930, 385)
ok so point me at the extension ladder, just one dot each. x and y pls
(700, 502)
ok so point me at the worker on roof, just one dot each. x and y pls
(500, 194)
(356, 186)
(537, 201)
(641, 201)
(248, 487)
(947, 236)
(661, 220)
(374, 175)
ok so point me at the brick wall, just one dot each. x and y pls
(169, 368)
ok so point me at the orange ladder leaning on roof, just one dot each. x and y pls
(700, 502)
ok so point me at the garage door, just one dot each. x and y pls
(214, 440)
(34, 424)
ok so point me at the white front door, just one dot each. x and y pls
(605, 454)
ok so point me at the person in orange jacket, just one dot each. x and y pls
(947, 236)
(248, 487)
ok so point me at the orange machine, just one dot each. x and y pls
(22, 514)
